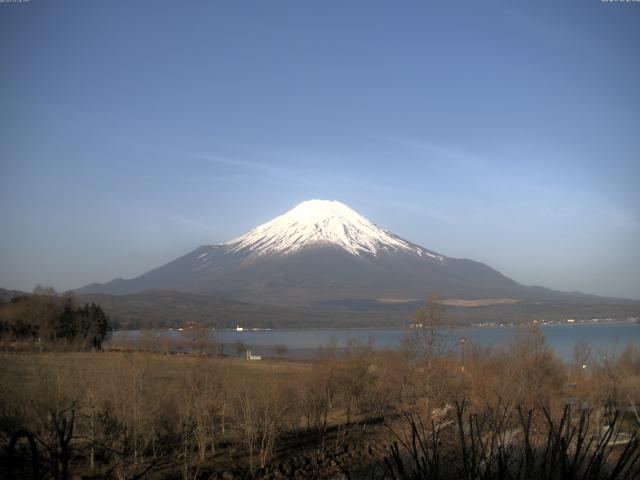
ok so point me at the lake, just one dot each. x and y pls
(304, 343)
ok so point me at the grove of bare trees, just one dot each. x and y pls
(410, 412)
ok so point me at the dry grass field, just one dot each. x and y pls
(166, 372)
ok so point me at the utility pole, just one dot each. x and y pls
(462, 342)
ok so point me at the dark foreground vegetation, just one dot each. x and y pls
(416, 412)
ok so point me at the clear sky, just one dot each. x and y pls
(506, 132)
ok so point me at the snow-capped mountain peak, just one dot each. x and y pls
(317, 222)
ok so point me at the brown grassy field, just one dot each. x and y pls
(24, 371)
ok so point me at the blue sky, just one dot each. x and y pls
(505, 132)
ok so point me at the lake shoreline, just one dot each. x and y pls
(307, 342)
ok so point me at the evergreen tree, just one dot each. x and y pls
(65, 326)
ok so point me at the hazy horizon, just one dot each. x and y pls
(502, 132)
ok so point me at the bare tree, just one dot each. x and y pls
(280, 350)
(533, 371)
(202, 399)
(354, 378)
(262, 411)
(425, 346)
(239, 347)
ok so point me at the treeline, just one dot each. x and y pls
(49, 319)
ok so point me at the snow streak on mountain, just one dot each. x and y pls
(323, 222)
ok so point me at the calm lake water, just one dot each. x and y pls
(304, 343)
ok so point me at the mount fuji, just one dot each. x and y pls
(320, 252)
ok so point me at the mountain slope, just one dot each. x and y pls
(319, 251)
